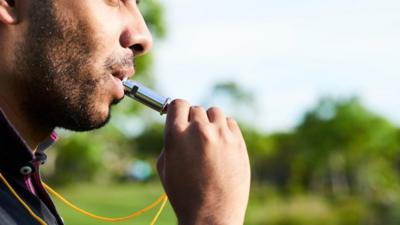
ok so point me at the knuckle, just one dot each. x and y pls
(226, 136)
(198, 126)
(232, 123)
(202, 130)
(230, 119)
(214, 110)
(173, 133)
(176, 103)
(174, 128)
(197, 108)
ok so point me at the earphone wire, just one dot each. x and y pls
(163, 198)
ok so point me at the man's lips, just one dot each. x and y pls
(118, 77)
(124, 73)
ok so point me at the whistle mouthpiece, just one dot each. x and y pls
(146, 96)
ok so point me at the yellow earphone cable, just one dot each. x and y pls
(91, 215)
(163, 198)
(21, 201)
(154, 220)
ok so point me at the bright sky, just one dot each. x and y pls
(288, 52)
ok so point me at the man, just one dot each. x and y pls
(62, 62)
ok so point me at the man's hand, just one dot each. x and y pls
(204, 166)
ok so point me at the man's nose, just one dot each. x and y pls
(136, 35)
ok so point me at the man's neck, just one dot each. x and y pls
(32, 132)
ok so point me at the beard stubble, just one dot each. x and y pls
(55, 72)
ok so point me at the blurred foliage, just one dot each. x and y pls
(149, 143)
(153, 12)
(233, 90)
(341, 152)
(235, 100)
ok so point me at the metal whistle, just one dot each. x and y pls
(146, 96)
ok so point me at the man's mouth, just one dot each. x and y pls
(118, 76)
(124, 73)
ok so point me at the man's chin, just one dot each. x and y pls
(101, 124)
(89, 120)
(86, 125)
(86, 120)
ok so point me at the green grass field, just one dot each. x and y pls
(266, 207)
(115, 200)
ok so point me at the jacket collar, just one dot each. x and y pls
(15, 154)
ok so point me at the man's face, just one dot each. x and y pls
(73, 56)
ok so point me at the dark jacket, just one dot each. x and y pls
(21, 169)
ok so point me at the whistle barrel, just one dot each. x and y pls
(146, 96)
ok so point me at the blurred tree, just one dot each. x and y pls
(234, 99)
(150, 141)
(234, 91)
(340, 150)
(338, 139)
(330, 151)
(260, 147)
